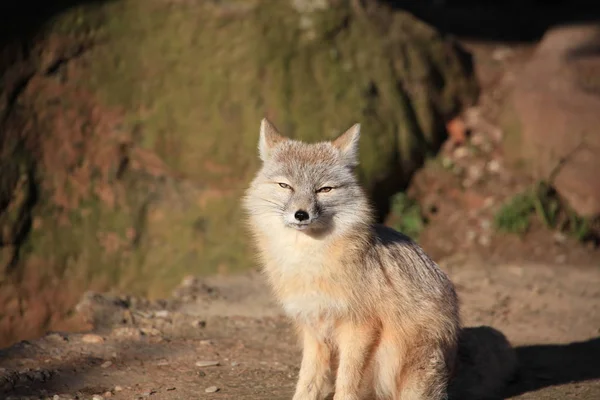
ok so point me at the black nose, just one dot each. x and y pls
(301, 215)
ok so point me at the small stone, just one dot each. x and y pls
(106, 364)
(97, 397)
(108, 394)
(56, 397)
(474, 172)
(560, 237)
(161, 314)
(170, 389)
(150, 331)
(485, 224)
(147, 393)
(460, 152)
(471, 235)
(206, 342)
(201, 373)
(189, 281)
(207, 363)
(211, 389)
(199, 324)
(127, 332)
(234, 363)
(484, 240)
(494, 166)
(91, 338)
(118, 388)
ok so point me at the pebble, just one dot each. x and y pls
(470, 236)
(485, 224)
(56, 397)
(484, 240)
(161, 314)
(198, 324)
(560, 237)
(97, 397)
(206, 342)
(207, 363)
(461, 152)
(127, 332)
(118, 388)
(108, 394)
(494, 166)
(211, 389)
(150, 331)
(91, 338)
(106, 364)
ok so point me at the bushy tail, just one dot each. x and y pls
(486, 363)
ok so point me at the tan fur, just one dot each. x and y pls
(377, 316)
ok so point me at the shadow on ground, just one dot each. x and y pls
(555, 364)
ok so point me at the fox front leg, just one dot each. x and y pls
(315, 378)
(355, 344)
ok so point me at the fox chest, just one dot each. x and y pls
(305, 281)
(311, 294)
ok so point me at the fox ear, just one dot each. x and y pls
(347, 144)
(269, 138)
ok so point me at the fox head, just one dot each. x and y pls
(307, 187)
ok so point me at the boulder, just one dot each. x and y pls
(555, 123)
(130, 130)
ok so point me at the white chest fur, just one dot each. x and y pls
(303, 281)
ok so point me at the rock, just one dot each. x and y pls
(110, 194)
(207, 363)
(127, 333)
(90, 338)
(118, 388)
(106, 364)
(211, 389)
(199, 323)
(161, 314)
(553, 126)
(97, 397)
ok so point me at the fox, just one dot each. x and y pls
(377, 317)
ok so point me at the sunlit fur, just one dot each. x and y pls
(377, 316)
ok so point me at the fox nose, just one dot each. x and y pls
(301, 215)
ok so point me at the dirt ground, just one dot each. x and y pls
(141, 349)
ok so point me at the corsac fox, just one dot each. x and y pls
(379, 319)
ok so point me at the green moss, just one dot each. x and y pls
(540, 201)
(407, 216)
(515, 215)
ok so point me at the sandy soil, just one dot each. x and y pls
(142, 349)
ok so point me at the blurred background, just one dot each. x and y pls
(128, 132)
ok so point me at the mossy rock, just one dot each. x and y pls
(137, 128)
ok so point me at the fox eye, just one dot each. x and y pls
(284, 185)
(324, 189)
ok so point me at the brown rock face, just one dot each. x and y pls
(557, 105)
